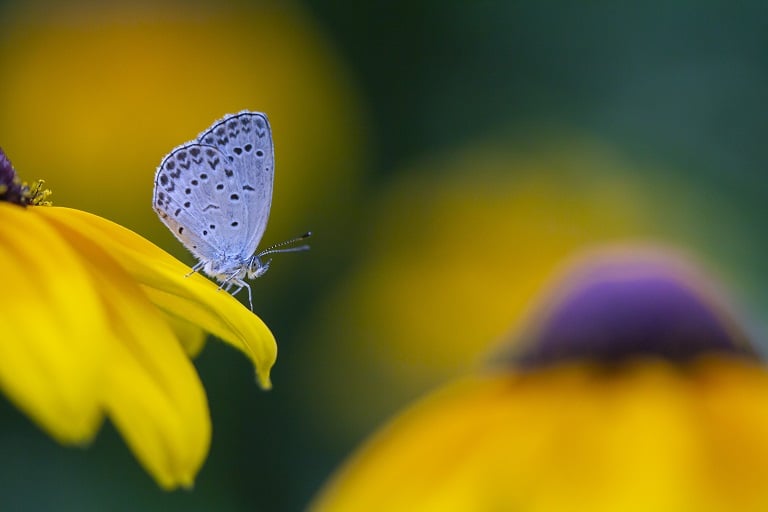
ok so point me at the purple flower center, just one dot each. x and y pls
(11, 189)
(633, 308)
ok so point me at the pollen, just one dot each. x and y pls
(36, 195)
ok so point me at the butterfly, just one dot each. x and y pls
(214, 193)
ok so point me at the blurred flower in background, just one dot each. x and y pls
(458, 249)
(637, 391)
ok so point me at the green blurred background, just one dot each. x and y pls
(450, 157)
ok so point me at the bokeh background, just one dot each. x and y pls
(450, 157)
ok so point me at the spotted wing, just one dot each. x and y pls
(198, 196)
(246, 140)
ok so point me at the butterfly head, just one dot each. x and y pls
(257, 268)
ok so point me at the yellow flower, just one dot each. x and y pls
(98, 322)
(635, 391)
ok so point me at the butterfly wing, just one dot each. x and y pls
(197, 196)
(245, 139)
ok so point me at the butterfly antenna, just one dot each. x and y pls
(273, 249)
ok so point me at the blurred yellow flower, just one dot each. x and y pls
(100, 322)
(635, 392)
(457, 249)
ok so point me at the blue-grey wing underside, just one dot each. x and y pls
(246, 139)
(214, 194)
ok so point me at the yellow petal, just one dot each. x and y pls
(191, 336)
(162, 279)
(151, 390)
(54, 324)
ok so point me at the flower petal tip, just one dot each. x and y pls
(263, 379)
(172, 480)
(188, 484)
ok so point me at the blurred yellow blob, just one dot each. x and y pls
(95, 94)
(458, 249)
(646, 436)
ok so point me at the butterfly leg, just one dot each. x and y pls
(227, 285)
(196, 268)
(240, 283)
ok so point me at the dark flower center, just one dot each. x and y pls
(633, 308)
(11, 189)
